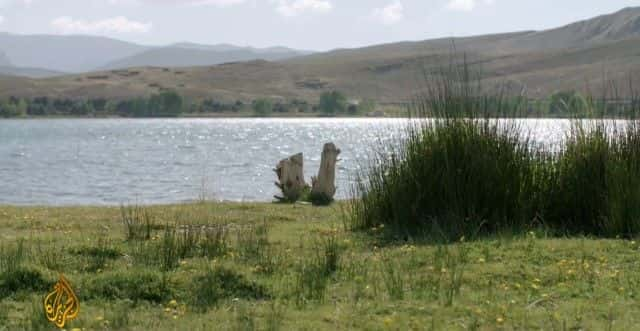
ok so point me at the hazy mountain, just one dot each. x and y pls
(287, 52)
(4, 60)
(576, 56)
(64, 53)
(88, 53)
(188, 55)
(29, 72)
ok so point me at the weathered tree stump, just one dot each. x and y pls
(290, 178)
(323, 187)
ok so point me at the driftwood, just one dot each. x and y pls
(323, 187)
(290, 178)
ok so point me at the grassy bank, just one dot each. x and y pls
(294, 267)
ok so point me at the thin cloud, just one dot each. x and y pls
(218, 3)
(467, 5)
(119, 24)
(297, 7)
(7, 3)
(390, 14)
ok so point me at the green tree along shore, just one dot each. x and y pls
(331, 103)
(171, 104)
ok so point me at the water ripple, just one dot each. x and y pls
(112, 161)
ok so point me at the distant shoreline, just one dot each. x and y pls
(231, 116)
(220, 116)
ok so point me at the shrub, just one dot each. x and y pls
(318, 199)
(97, 256)
(333, 102)
(134, 285)
(218, 284)
(166, 103)
(262, 107)
(22, 279)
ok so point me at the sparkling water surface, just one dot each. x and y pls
(148, 161)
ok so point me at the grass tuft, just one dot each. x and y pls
(22, 279)
(135, 285)
(138, 222)
(218, 284)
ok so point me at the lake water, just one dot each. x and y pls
(115, 161)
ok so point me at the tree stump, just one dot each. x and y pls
(323, 187)
(290, 178)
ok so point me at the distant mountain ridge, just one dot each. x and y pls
(577, 56)
(79, 53)
(4, 59)
(190, 55)
(229, 47)
(64, 53)
(624, 24)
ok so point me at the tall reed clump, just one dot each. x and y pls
(462, 172)
(596, 188)
(138, 222)
(459, 171)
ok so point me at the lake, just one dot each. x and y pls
(116, 161)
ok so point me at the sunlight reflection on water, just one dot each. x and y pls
(114, 161)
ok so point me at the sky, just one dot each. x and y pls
(303, 24)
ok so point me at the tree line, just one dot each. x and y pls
(164, 104)
(171, 104)
(330, 103)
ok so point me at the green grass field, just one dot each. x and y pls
(294, 267)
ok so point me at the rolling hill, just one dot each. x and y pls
(64, 53)
(581, 56)
(4, 60)
(76, 54)
(188, 55)
(29, 72)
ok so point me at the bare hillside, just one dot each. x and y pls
(578, 56)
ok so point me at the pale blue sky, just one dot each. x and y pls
(303, 24)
